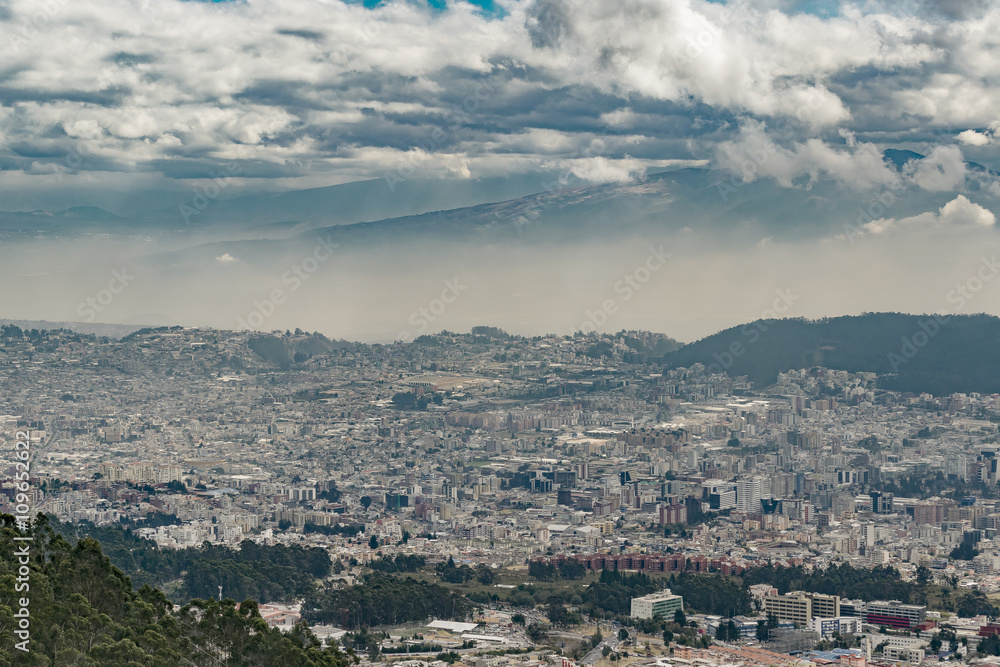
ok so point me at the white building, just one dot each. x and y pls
(663, 603)
(748, 495)
(825, 627)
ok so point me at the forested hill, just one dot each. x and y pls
(917, 353)
(84, 611)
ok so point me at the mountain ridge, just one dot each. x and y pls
(912, 353)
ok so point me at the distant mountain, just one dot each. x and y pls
(666, 202)
(915, 353)
(94, 328)
(359, 201)
(534, 206)
(265, 213)
(71, 221)
(899, 158)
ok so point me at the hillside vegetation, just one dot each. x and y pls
(84, 611)
(916, 353)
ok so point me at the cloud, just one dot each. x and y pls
(603, 170)
(941, 171)
(974, 138)
(226, 259)
(322, 89)
(959, 213)
(754, 155)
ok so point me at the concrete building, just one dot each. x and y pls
(826, 627)
(895, 614)
(802, 608)
(748, 495)
(663, 603)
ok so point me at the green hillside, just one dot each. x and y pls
(916, 353)
(83, 611)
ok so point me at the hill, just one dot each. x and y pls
(916, 353)
(84, 611)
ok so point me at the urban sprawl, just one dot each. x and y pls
(576, 459)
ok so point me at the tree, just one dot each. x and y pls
(404, 400)
(484, 574)
(107, 622)
(989, 645)
(556, 611)
(596, 639)
(518, 619)
(572, 569)
(763, 634)
(923, 575)
(668, 637)
(964, 551)
(366, 502)
(623, 635)
(727, 631)
(935, 644)
(975, 603)
(679, 618)
(373, 543)
(537, 632)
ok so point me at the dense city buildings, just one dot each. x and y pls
(577, 457)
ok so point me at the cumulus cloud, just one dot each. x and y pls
(325, 89)
(601, 169)
(943, 170)
(959, 213)
(226, 259)
(974, 138)
(754, 154)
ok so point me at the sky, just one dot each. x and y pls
(109, 94)
(134, 105)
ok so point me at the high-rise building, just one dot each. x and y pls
(748, 495)
(881, 502)
(868, 535)
(674, 513)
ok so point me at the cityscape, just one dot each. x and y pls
(499, 333)
(497, 464)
